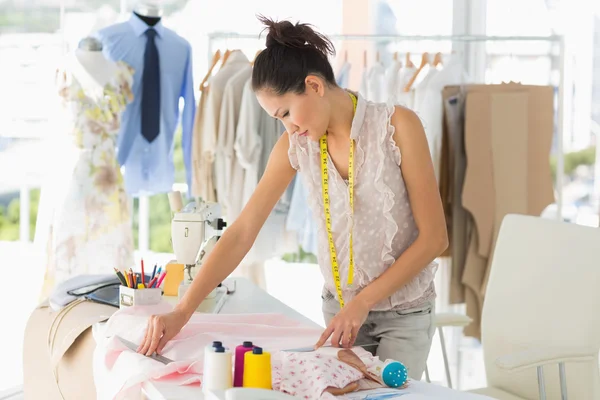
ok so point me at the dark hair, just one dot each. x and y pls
(293, 52)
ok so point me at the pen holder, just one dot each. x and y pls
(139, 297)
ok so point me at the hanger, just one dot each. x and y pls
(345, 56)
(215, 60)
(377, 56)
(437, 60)
(409, 63)
(395, 56)
(424, 63)
(365, 60)
(226, 56)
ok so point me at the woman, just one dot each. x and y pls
(382, 244)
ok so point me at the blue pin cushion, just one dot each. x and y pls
(394, 374)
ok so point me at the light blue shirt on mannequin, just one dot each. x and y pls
(148, 166)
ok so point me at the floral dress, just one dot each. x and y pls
(87, 227)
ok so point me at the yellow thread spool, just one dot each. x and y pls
(257, 369)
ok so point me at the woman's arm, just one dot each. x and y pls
(426, 204)
(239, 237)
(227, 253)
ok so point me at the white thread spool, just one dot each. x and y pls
(175, 201)
(217, 369)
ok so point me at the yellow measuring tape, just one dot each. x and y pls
(327, 206)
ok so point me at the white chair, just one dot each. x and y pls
(540, 321)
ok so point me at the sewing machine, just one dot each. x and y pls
(194, 230)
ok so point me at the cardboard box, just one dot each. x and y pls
(139, 297)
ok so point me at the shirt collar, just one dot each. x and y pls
(237, 56)
(140, 27)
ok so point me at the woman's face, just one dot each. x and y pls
(307, 113)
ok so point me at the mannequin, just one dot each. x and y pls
(91, 68)
(149, 13)
(84, 226)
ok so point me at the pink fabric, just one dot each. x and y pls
(383, 222)
(119, 372)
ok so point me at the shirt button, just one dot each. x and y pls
(146, 150)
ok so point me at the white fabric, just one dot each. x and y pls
(364, 84)
(399, 96)
(257, 133)
(543, 285)
(210, 122)
(428, 104)
(248, 144)
(376, 89)
(228, 171)
(391, 79)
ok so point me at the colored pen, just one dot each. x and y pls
(153, 272)
(121, 277)
(143, 277)
(162, 277)
(151, 283)
(131, 278)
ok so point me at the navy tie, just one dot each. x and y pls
(151, 89)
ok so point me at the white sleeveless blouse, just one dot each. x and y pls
(384, 226)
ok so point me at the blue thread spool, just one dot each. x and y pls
(394, 374)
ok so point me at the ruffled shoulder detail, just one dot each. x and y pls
(385, 137)
(293, 151)
(389, 134)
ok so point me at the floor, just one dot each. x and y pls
(22, 283)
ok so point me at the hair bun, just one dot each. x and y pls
(284, 33)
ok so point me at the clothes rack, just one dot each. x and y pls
(552, 39)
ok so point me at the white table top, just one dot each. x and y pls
(247, 299)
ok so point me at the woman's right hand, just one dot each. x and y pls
(161, 329)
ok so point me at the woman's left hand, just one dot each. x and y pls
(344, 327)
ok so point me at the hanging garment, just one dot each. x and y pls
(149, 166)
(376, 90)
(211, 119)
(382, 211)
(229, 174)
(391, 79)
(508, 136)
(455, 162)
(209, 193)
(84, 221)
(257, 133)
(399, 96)
(428, 104)
(343, 75)
(364, 83)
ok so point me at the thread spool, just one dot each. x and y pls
(240, 352)
(394, 374)
(257, 369)
(175, 201)
(217, 369)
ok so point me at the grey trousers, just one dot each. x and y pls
(403, 335)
